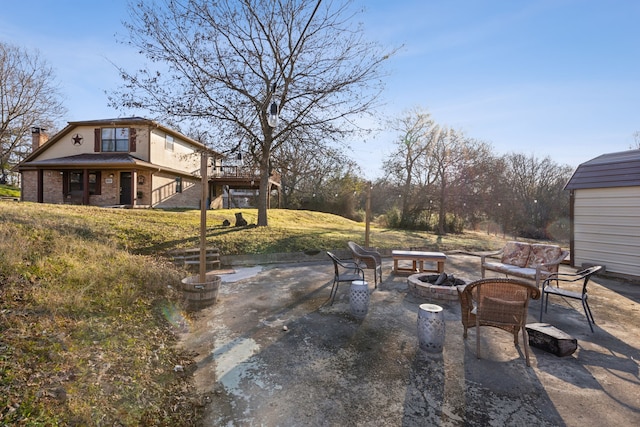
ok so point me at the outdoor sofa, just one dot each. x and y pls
(533, 261)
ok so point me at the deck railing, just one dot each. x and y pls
(241, 172)
(235, 172)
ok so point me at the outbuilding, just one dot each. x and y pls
(605, 213)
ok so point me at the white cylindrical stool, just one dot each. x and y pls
(431, 328)
(359, 298)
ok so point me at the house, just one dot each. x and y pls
(129, 162)
(605, 212)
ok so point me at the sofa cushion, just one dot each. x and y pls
(511, 270)
(541, 254)
(516, 253)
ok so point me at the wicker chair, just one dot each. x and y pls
(497, 302)
(369, 259)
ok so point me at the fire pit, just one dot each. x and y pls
(441, 287)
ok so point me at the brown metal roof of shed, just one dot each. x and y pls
(620, 169)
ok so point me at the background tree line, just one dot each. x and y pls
(438, 179)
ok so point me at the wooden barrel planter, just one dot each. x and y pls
(197, 294)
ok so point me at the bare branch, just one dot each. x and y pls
(29, 97)
(214, 64)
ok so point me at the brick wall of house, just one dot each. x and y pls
(164, 196)
(110, 191)
(143, 189)
(29, 186)
(52, 189)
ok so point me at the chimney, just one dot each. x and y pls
(38, 138)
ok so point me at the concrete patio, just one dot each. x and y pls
(272, 352)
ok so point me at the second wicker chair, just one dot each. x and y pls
(497, 302)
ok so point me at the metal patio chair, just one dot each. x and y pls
(344, 271)
(368, 258)
(584, 276)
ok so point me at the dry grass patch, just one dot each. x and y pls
(84, 337)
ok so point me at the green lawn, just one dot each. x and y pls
(150, 231)
(9, 191)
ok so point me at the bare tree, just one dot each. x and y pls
(536, 193)
(28, 97)
(409, 165)
(488, 192)
(305, 170)
(457, 161)
(223, 64)
(636, 140)
(440, 171)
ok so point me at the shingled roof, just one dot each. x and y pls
(100, 160)
(620, 169)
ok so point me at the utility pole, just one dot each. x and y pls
(203, 217)
(367, 216)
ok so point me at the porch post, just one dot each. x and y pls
(134, 187)
(40, 186)
(85, 187)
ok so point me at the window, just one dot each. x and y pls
(74, 182)
(168, 143)
(178, 185)
(94, 182)
(115, 139)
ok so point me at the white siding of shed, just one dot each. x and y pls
(607, 228)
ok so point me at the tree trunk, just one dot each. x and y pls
(404, 215)
(263, 197)
(442, 208)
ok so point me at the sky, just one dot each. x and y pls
(556, 78)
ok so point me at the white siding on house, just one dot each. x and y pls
(607, 228)
(66, 147)
(183, 157)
